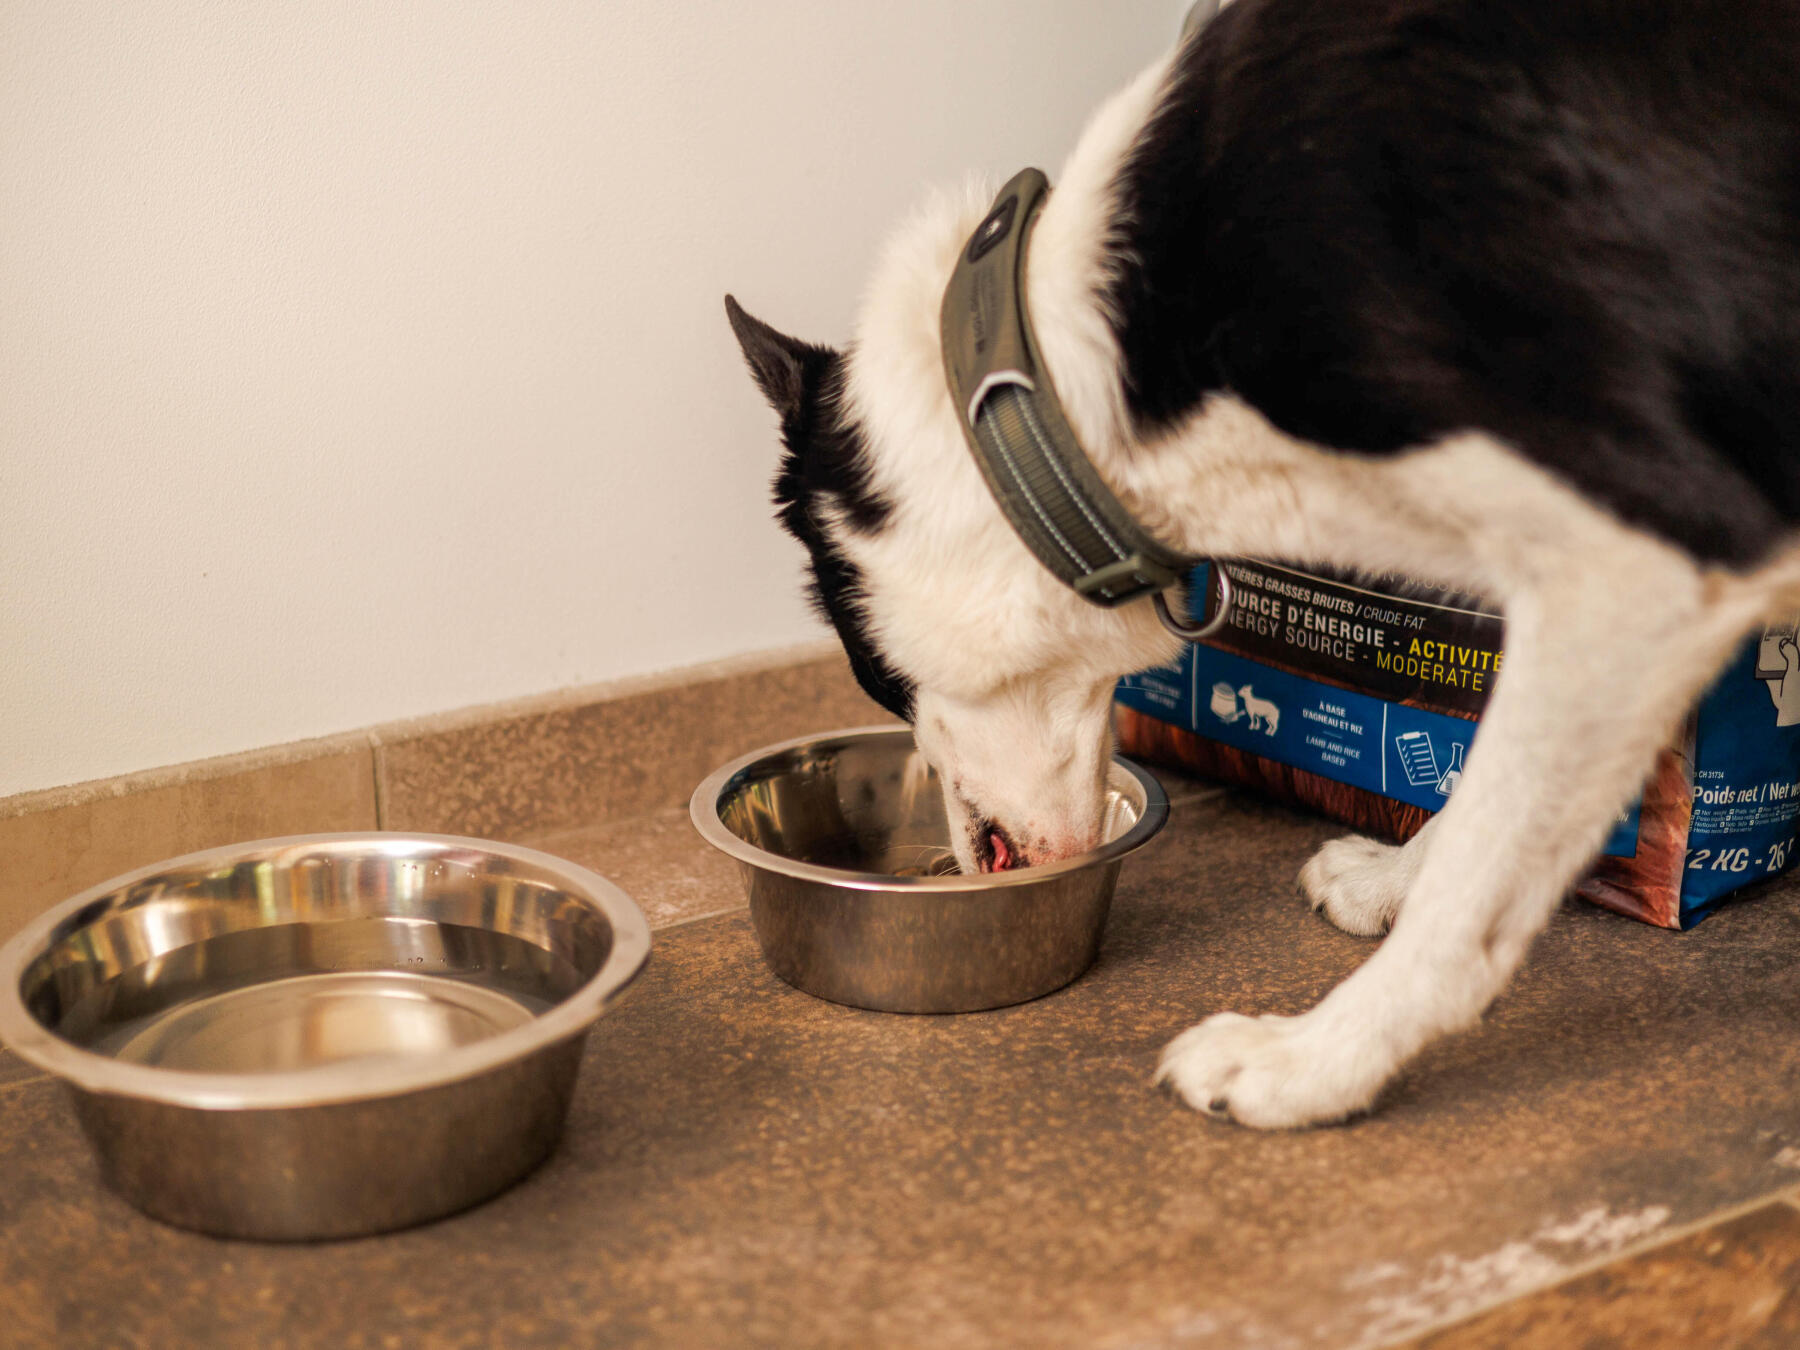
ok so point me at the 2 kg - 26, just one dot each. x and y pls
(1739, 859)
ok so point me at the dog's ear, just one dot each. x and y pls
(778, 361)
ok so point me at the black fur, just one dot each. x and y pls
(1574, 224)
(826, 465)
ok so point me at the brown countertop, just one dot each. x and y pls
(746, 1165)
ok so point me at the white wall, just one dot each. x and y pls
(361, 360)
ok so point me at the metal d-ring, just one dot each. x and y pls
(1195, 632)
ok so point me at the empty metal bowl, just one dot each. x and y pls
(326, 1035)
(844, 849)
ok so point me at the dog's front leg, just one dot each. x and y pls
(1599, 669)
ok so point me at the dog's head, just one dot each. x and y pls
(824, 490)
(947, 619)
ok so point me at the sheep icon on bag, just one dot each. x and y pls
(1264, 715)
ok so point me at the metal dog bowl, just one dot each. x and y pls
(855, 896)
(326, 1035)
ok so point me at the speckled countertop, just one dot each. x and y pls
(748, 1166)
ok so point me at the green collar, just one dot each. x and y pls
(1021, 439)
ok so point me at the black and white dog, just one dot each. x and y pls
(1503, 295)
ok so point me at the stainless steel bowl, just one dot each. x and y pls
(326, 1035)
(844, 849)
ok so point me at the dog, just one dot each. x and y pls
(1501, 295)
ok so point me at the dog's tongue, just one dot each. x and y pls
(1002, 855)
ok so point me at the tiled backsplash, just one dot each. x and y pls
(584, 757)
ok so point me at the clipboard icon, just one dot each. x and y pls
(1771, 664)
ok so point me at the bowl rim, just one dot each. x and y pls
(350, 1080)
(703, 811)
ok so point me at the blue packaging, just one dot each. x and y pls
(1361, 703)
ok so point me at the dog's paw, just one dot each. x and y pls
(1357, 883)
(1273, 1073)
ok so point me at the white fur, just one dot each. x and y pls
(1359, 883)
(1015, 673)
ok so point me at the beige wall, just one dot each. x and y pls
(363, 360)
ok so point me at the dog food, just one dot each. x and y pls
(1361, 703)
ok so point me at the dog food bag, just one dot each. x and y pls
(1361, 704)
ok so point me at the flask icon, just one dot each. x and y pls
(1453, 774)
